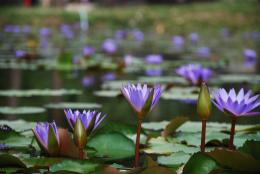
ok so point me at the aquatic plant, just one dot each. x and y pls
(250, 57)
(109, 46)
(194, 73)
(203, 110)
(154, 59)
(142, 99)
(235, 105)
(47, 137)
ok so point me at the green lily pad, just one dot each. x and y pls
(39, 92)
(155, 125)
(116, 84)
(18, 125)
(174, 159)
(174, 124)
(107, 93)
(73, 105)
(8, 160)
(252, 148)
(112, 145)
(21, 110)
(238, 78)
(163, 80)
(160, 146)
(75, 166)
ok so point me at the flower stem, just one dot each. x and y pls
(203, 135)
(232, 134)
(138, 130)
(81, 153)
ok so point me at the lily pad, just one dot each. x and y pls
(163, 80)
(73, 105)
(107, 93)
(18, 125)
(238, 78)
(174, 159)
(155, 125)
(116, 84)
(112, 145)
(39, 92)
(21, 110)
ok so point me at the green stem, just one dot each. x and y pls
(138, 131)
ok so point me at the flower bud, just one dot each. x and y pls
(204, 102)
(80, 136)
(148, 103)
(53, 144)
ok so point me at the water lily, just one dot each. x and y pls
(90, 119)
(20, 54)
(153, 72)
(88, 51)
(143, 99)
(203, 52)
(47, 136)
(194, 37)
(108, 76)
(250, 57)
(178, 42)
(138, 35)
(67, 32)
(235, 105)
(194, 73)
(203, 110)
(128, 60)
(88, 81)
(109, 46)
(154, 59)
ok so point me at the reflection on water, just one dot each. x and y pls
(117, 108)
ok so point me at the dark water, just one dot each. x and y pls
(117, 108)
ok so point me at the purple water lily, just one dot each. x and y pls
(194, 73)
(137, 96)
(235, 105)
(45, 32)
(109, 46)
(128, 60)
(153, 72)
(138, 35)
(178, 42)
(154, 59)
(108, 76)
(90, 119)
(143, 99)
(67, 32)
(88, 51)
(120, 34)
(20, 54)
(42, 132)
(250, 57)
(88, 81)
(203, 52)
(194, 37)
(239, 104)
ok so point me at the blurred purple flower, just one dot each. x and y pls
(237, 105)
(250, 57)
(76, 60)
(120, 34)
(26, 29)
(20, 54)
(255, 35)
(41, 132)
(194, 37)
(108, 76)
(154, 59)
(138, 35)
(90, 119)
(203, 52)
(137, 96)
(194, 73)
(128, 59)
(67, 32)
(88, 81)
(45, 32)
(88, 51)
(109, 46)
(225, 33)
(178, 42)
(153, 72)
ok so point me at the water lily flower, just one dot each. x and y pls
(88, 81)
(194, 37)
(154, 59)
(108, 76)
(142, 99)
(153, 72)
(120, 34)
(235, 105)
(194, 73)
(67, 32)
(88, 51)
(47, 136)
(45, 32)
(109, 46)
(203, 52)
(20, 54)
(128, 60)
(90, 119)
(178, 42)
(250, 57)
(138, 35)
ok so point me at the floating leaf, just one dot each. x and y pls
(112, 145)
(174, 159)
(155, 125)
(200, 163)
(252, 148)
(8, 160)
(73, 105)
(21, 110)
(107, 93)
(18, 125)
(174, 124)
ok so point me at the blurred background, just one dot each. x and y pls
(69, 53)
